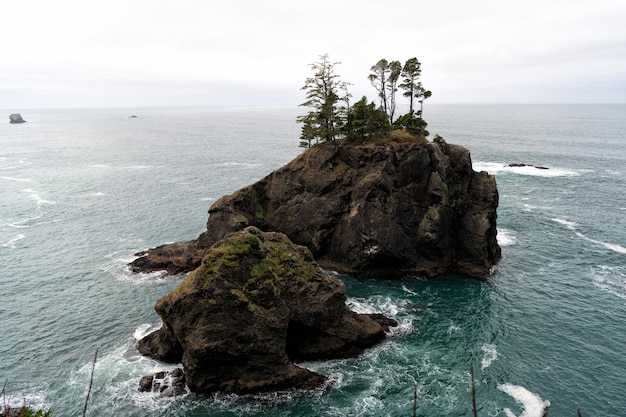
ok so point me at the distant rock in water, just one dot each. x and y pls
(257, 303)
(515, 165)
(365, 210)
(16, 118)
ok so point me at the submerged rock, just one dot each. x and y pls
(16, 118)
(399, 209)
(257, 303)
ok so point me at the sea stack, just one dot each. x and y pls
(257, 303)
(16, 118)
(413, 208)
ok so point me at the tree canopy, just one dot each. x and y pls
(331, 116)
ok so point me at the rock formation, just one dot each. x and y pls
(517, 165)
(257, 303)
(166, 383)
(365, 210)
(16, 118)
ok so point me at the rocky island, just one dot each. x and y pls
(16, 118)
(402, 208)
(369, 197)
(257, 303)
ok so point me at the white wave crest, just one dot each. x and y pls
(144, 330)
(120, 371)
(491, 354)
(453, 328)
(506, 237)
(533, 405)
(407, 290)
(15, 179)
(35, 401)
(608, 245)
(568, 224)
(500, 168)
(227, 164)
(11, 242)
(387, 306)
(35, 195)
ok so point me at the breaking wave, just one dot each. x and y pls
(496, 168)
(533, 405)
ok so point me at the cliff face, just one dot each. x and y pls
(257, 303)
(399, 209)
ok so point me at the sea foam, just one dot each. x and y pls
(500, 168)
(15, 179)
(533, 405)
(572, 226)
(11, 242)
(506, 237)
(611, 279)
(491, 354)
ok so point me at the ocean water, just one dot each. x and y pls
(82, 190)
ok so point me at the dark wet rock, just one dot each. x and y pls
(400, 209)
(383, 320)
(515, 165)
(256, 304)
(166, 383)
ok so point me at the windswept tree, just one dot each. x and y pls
(325, 94)
(384, 78)
(365, 121)
(412, 85)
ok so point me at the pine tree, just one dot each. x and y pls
(327, 115)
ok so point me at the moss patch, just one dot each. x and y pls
(258, 211)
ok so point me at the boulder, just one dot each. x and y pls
(257, 303)
(166, 383)
(16, 118)
(392, 210)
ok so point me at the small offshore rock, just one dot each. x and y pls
(384, 321)
(16, 118)
(516, 165)
(166, 383)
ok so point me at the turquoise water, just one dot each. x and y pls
(82, 190)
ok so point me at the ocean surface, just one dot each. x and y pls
(81, 191)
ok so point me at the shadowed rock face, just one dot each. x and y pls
(399, 209)
(257, 303)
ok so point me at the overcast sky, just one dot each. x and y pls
(92, 53)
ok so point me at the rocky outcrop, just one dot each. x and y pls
(16, 118)
(257, 303)
(175, 258)
(398, 209)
